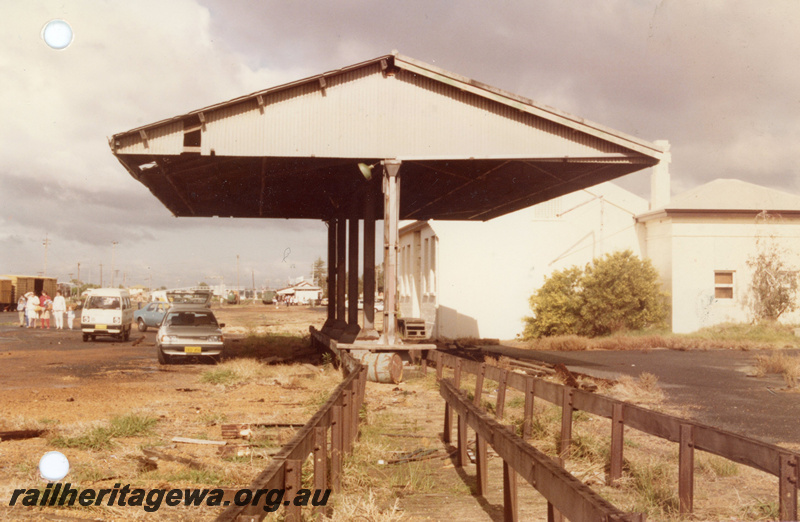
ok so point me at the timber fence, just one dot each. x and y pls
(327, 437)
(689, 435)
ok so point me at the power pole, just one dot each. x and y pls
(113, 249)
(45, 243)
(253, 274)
(237, 277)
(101, 275)
(79, 274)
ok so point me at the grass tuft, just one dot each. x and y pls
(782, 364)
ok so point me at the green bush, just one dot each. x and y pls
(614, 293)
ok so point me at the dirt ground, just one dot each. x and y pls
(52, 380)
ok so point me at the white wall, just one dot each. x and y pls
(488, 271)
(702, 246)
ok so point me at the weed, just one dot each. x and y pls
(218, 375)
(96, 438)
(760, 509)
(655, 492)
(718, 466)
(132, 425)
(782, 364)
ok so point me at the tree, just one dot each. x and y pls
(773, 288)
(616, 292)
(319, 275)
(621, 292)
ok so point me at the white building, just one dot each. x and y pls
(475, 279)
(301, 293)
(700, 243)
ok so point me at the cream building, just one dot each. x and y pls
(470, 279)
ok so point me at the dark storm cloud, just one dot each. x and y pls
(716, 79)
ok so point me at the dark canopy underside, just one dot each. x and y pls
(324, 188)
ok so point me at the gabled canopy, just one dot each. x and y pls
(468, 151)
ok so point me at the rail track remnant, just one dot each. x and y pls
(328, 436)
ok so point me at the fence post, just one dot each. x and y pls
(554, 515)
(787, 486)
(424, 364)
(462, 458)
(686, 469)
(617, 434)
(481, 464)
(510, 506)
(321, 464)
(501, 394)
(479, 385)
(566, 421)
(292, 484)
(448, 424)
(347, 407)
(337, 448)
(457, 374)
(530, 395)
(439, 365)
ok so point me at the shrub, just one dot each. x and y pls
(617, 292)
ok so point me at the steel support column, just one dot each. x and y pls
(391, 218)
(352, 329)
(368, 331)
(331, 319)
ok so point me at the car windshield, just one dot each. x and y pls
(191, 319)
(99, 302)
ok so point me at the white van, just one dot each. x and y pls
(107, 311)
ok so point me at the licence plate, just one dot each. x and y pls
(100, 327)
(192, 349)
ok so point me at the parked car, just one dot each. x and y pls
(107, 311)
(188, 331)
(151, 315)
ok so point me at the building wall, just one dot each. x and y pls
(702, 247)
(486, 272)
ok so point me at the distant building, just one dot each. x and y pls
(301, 293)
(475, 279)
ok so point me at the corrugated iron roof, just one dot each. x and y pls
(469, 150)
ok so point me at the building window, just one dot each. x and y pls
(723, 284)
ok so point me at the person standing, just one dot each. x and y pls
(23, 320)
(47, 306)
(71, 316)
(31, 307)
(59, 307)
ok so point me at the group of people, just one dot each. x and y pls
(33, 308)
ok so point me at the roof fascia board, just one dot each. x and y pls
(529, 106)
(702, 212)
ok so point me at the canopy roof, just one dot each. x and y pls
(468, 151)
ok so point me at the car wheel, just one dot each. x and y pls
(91, 337)
(142, 326)
(127, 334)
(162, 357)
(215, 358)
(85, 337)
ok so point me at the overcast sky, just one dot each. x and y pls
(719, 80)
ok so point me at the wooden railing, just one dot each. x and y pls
(564, 493)
(335, 422)
(690, 435)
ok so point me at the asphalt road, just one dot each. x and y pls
(714, 384)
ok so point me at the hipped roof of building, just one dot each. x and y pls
(728, 197)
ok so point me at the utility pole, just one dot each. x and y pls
(237, 277)
(79, 274)
(101, 275)
(149, 280)
(113, 249)
(253, 274)
(45, 243)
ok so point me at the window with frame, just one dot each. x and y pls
(723, 284)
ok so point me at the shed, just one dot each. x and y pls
(343, 146)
